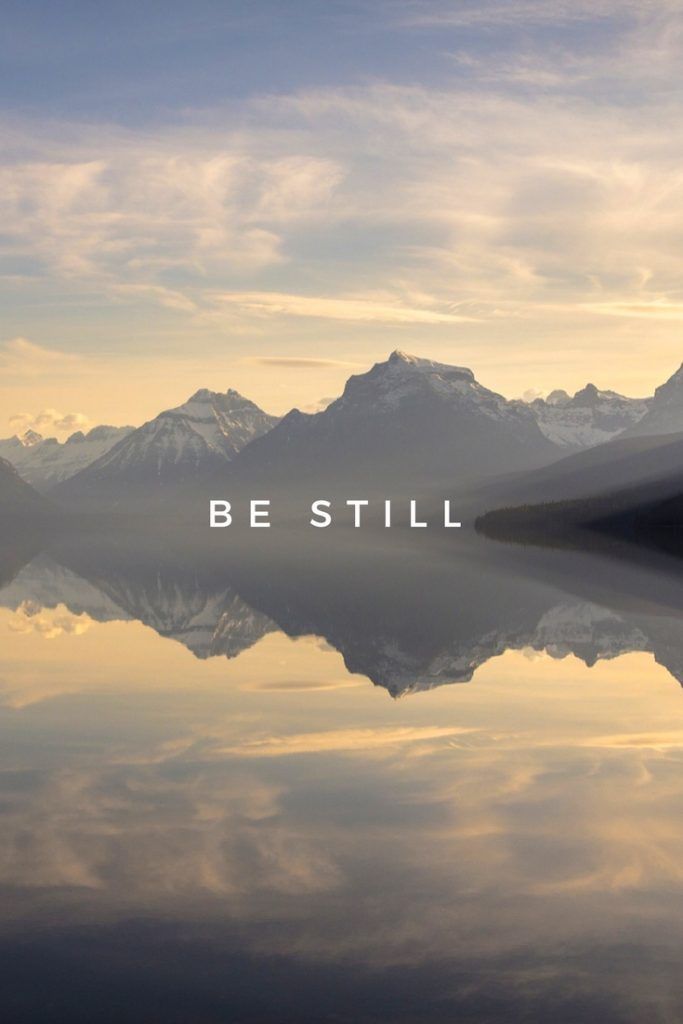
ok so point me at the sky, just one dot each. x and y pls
(271, 196)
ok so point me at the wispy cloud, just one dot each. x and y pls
(649, 310)
(20, 356)
(298, 362)
(149, 205)
(507, 202)
(472, 13)
(350, 308)
(342, 740)
(530, 188)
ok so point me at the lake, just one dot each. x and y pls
(365, 780)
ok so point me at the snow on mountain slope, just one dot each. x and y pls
(588, 632)
(588, 418)
(178, 447)
(592, 416)
(43, 583)
(407, 421)
(584, 630)
(45, 462)
(402, 378)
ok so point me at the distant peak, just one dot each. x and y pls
(589, 391)
(557, 397)
(677, 377)
(105, 431)
(203, 395)
(399, 359)
(672, 388)
(30, 438)
(206, 395)
(398, 356)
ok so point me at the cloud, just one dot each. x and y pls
(224, 837)
(655, 309)
(48, 623)
(556, 13)
(497, 210)
(657, 740)
(531, 182)
(342, 740)
(299, 363)
(346, 308)
(168, 297)
(318, 406)
(22, 357)
(49, 419)
(150, 205)
(302, 685)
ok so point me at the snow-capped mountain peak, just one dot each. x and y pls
(404, 378)
(45, 462)
(30, 438)
(593, 416)
(405, 421)
(202, 395)
(223, 422)
(589, 417)
(403, 360)
(180, 446)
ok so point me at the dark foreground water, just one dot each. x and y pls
(303, 781)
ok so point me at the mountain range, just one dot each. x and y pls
(406, 425)
(44, 461)
(589, 418)
(625, 462)
(408, 624)
(630, 487)
(175, 452)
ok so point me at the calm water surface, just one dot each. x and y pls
(397, 785)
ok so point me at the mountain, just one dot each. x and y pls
(588, 418)
(44, 461)
(194, 608)
(665, 411)
(183, 594)
(170, 454)
(408, 623)
(649, 516)
(406, 425)
(43, 583)
(18, 500)
(643, 465)
(624, 463)
(406, 422)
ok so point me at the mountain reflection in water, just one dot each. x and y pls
(238, 827)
